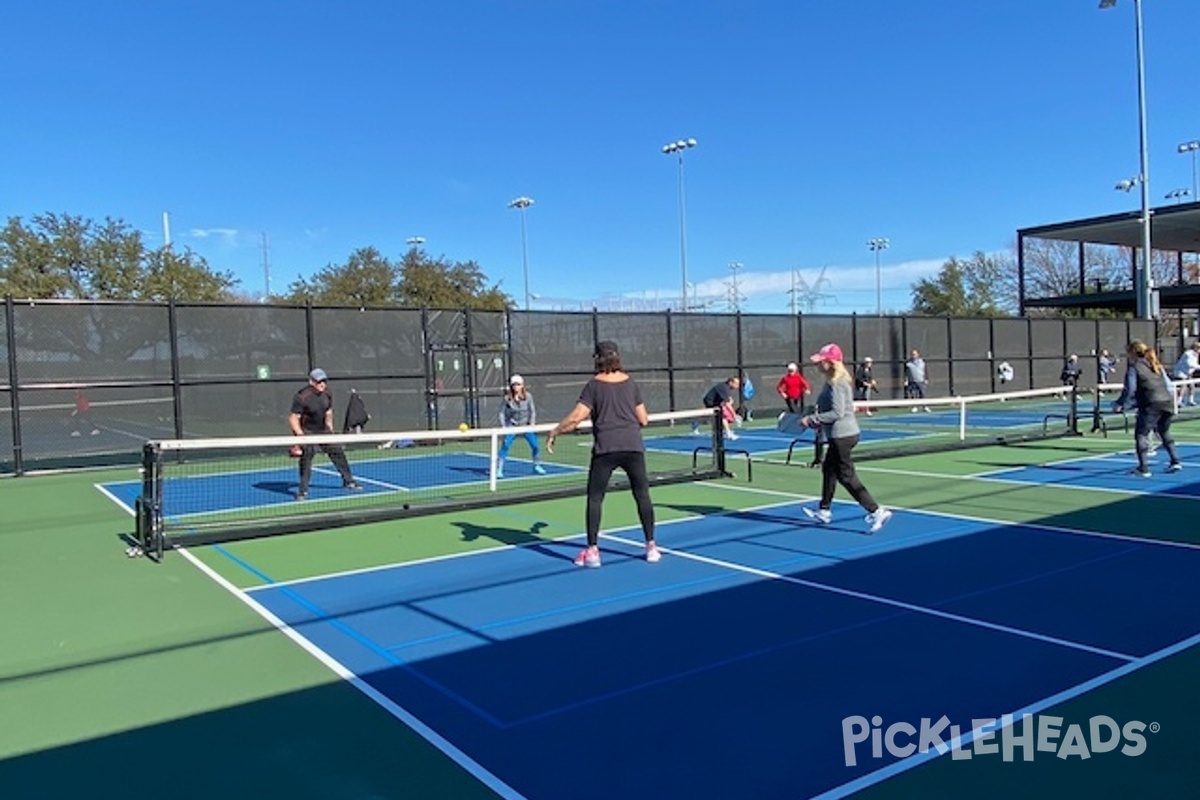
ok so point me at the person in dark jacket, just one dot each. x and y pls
(1146, 386)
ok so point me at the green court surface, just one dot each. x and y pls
(125, 678)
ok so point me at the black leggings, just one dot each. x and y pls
(838, 467)
(601, 469)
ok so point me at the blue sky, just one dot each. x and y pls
(941, 125)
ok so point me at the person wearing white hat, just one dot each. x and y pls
(517, 411)
(792, 387)
(312, 415)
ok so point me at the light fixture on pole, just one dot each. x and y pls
(1141, 271)
(876, 246)
(1177, 195)
(671, 148)
(523, 203)
(1192, 147)
(415, 241)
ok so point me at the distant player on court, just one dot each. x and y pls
(312, 415)
(517, 411)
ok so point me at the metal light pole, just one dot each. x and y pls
(1141, 272)
(415, 241)
(1177, 195)
(876, 246)
(1192, 147)
(668, 149)
(523, 203)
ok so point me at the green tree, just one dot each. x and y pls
(366, 279)
(982, 286)
(437, 283)
(68, 257)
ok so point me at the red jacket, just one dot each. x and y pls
(792, 386)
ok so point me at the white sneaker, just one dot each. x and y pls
(927, 411)
(915, 409)
(821, 515)
(878, 519)
(652, 553)
(731, 435)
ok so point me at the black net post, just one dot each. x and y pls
(149, 505)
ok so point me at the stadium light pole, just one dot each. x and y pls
(672, 148)
(876, 246)
(1177, 195)
(522, 203)
(415, 241)
(1142, 273)
(1192, 147)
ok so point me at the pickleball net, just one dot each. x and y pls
(915, 426)
(203, 491)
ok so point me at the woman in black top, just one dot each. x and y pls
(613, 402)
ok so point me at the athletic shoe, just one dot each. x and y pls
(1176, 467)
(301, 496)
(878, 519)
(353, 486)
(539, 469)
(588, 557)
(1141, 473)
(652, 553)
(915, 409)
(731, 435)
(821, 515)
(927, 411)
(500, 472)
(95, 432)
(1152, 452)
(76, 433)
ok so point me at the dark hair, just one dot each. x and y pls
(607, 356)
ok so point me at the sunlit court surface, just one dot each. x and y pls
(765, 655)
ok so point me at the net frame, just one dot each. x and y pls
(156, 532)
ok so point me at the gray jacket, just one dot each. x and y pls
(835, 410)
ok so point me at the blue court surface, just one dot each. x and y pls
(728, 669)
(249, 489)
(1113, 472)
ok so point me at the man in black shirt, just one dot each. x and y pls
(312, 414)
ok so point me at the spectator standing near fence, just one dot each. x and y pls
(518, 410)
(613, 402)
(792, 387)
(1186, 368)
(1146, 385)
(835, 414)
(1070, 372)
(916, 378)
(1105, 366)
(864, 382)
(312, 415)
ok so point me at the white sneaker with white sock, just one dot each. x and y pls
(878, 518)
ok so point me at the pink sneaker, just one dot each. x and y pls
(588, 557)
(653, 555)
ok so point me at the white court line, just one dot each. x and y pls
(396, 710)
(916, 760)
(889, 601)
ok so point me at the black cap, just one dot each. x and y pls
(606, 348)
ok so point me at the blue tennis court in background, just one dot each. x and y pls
(748, 646)
(228, 491)
(1114, 472)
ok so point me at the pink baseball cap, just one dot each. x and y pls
(830, 352)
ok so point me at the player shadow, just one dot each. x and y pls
(474, 472)
(504, 535)
(286, 488)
